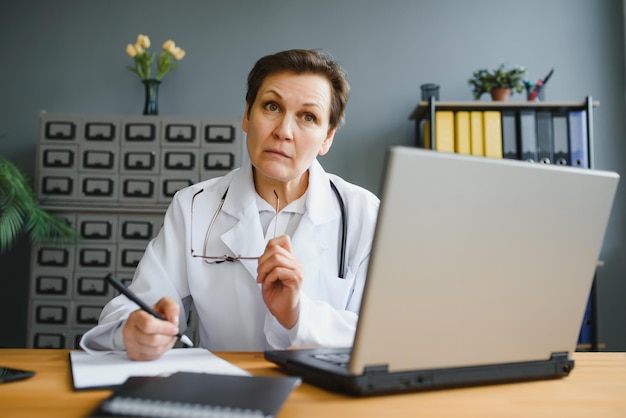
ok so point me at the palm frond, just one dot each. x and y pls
(43, 226)
(11, 225)
(20, 213)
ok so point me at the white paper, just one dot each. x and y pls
(112, 369)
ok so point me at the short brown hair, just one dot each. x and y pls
(302, 61)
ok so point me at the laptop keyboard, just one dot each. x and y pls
(339, 359)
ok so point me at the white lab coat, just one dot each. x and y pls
(231, 313)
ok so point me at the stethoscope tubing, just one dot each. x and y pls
(344, 227)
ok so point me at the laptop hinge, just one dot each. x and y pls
(376, 369)
(563, 363)
(560, 355)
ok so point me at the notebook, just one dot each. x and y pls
(188, 394)
(480, 273)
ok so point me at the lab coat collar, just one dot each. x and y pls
(321, 207)
(246, 237)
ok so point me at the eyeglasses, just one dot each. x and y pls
(221, 259)
(211, 259)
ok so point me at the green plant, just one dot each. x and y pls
(19, 212)
(483, 80)
(144, 59)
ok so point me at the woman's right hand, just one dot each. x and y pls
(148, 338)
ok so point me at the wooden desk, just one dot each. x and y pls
(596, 388)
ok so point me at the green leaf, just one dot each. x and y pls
(20, 213)
(43, 226)
(11, 225)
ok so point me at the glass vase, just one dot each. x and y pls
(151, 105)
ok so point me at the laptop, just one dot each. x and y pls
(480, 273)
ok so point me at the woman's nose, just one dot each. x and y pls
(284, 128)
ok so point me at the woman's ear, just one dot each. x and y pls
(245, 119)
(327, 142)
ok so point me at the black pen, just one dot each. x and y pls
(132, 296)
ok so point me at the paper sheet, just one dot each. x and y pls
(112, 369)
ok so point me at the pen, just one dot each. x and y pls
(116, 283)
(545, 80)
(536, 90)
(540, 85)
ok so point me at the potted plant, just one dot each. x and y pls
(498, 81)
(20, 213)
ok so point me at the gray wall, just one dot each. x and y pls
(68, 56)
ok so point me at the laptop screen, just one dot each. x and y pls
(479, 261)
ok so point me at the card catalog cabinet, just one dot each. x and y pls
(112, 178)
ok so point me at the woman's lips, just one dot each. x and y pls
(277, 152)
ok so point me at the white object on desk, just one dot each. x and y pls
(112, 369)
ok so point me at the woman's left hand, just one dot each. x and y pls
(280, 275)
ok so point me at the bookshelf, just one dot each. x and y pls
(437, 127)
(426, 111)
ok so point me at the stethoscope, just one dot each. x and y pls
(344, 229)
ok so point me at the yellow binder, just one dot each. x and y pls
(462, 132)
(444, 130)
(492, 133)
(426, 133)
(476, 133)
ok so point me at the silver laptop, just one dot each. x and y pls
(480, 273)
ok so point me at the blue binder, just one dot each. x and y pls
(586, 330)
(579, 153)
(579, 157)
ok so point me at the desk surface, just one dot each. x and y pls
(595, 388)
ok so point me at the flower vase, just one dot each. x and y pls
(151, 106)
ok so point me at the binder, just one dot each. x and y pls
(476, 133)
(586, 329)
(579, 157)
(462, 132)
(545, 139)
(426, 133)
(528, 136)
(198, 394)
(509, 135)
(492, 133)
(577, 123)
(444, 130)
(561, 138)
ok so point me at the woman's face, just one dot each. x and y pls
(287, 126)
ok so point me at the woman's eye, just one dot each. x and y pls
(271, 106)
(309, 117)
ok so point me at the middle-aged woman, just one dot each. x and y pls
(272, 255)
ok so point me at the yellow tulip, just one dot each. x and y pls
(140, 52)
(143, 40)
(169, 46)
(179, 54)
(130, 50)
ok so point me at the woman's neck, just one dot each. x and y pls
(286, 191)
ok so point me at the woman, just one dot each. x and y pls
(259, 251)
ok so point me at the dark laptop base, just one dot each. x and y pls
(378, 381)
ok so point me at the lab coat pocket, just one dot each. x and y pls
(333, 289)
